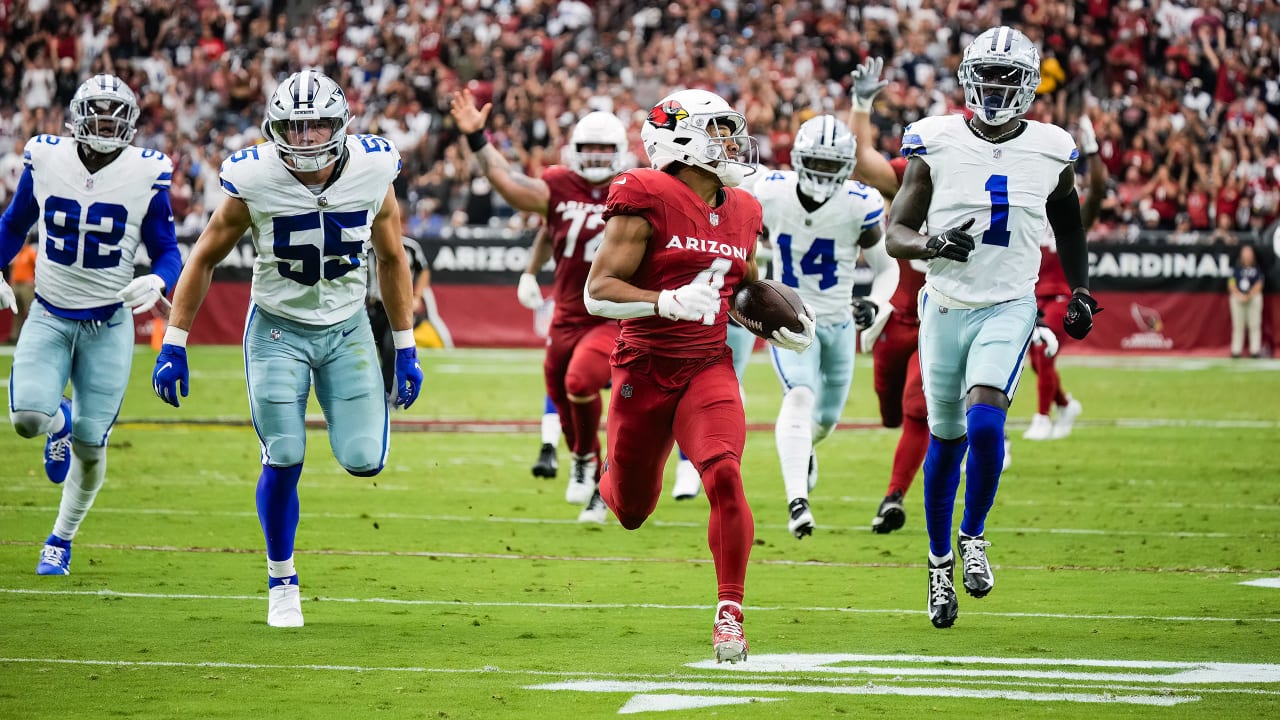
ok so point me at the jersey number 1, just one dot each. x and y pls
(998, 233)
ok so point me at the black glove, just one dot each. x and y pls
(1080, 311)
(864, 312)
(954, 244)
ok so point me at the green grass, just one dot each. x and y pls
(454, 585)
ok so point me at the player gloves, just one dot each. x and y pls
(694, 302)
(1088, 138)
(408, 377)
(1042, 335)
(7, 300)
(866, 84)
(1080, 311)
(788, 339)
(143, 293)
(864, 312)
(528, 292)
(954, 244)
(170, 373)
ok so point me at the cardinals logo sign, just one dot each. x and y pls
(1150, 335)
(666, 115)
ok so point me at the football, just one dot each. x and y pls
(766, 305)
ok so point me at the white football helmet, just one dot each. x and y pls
(307, 103)
(999, 73)
(597, 128)
(824, 155)
(104, 114)
(685, 127)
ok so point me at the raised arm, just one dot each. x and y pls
(523, 192)
(871, 167)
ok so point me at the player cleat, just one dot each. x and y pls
(890, 516)
(582, 479)
(728, 640)
(688, 482)
(547, 464)
(595, 511)
(813, 470)
(978, 579)
(55, 557)
(1041, 428)
(1066, 418)
(943, 604)
(57, 448)
(801, 522)
(284, 602)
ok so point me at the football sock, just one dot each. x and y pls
(1048, 384)
(982, 472)
(909, 455)
(793, 433)
(941, 480)
(279, 569)
(278, 508)
(731, 529)
(88, 470)
(551, 426)
(586, 425)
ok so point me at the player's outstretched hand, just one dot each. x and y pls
(866, 83)
(693, 302)
(954, 244)
(864, 312)
(170, 375)
(1080, 311)
(788, 339)
(143, 293)
(1042, 335)
(408, 377)
(528, 292)
(463, 109)
(7, 299)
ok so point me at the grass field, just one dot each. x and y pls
(455, 585)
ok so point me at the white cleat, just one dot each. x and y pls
(800, 522)
(688, 482)
(595, 511)
(1041, 428)
(582, 480)
(284, 606)
(1066, 418)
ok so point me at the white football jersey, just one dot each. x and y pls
(1003, 187)
(312, 250)
(90, 223)
(816, 252)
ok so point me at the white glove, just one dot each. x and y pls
(1088, 138)
(866, 84)
(143, 293)
(788, 339)
(693, 302)
(7, 300)
(528, 292)
(1044, 336)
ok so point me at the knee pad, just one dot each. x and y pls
(361, 456)
(799, 401)
(822, 432)
(286, 451)
(29, 423)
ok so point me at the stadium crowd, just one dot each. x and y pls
(1184, 94)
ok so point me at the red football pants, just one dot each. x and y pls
(577, 363)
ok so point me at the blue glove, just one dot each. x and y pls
(408, 377)
(171, 371)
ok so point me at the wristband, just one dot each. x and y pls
(403, 339)
(477, 140)
(175, 336)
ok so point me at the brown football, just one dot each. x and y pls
(766, 305)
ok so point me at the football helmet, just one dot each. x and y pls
(999, 73)
(824, 154)
(686, 127)
(104, 114)
(597, 128)
(304, 107)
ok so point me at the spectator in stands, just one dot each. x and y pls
(22, 278)
(1245, 288)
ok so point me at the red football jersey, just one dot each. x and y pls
(575, 221)
(1052, 281)
(690, 240)
(906, 298)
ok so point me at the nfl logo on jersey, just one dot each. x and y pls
(715, 219)
(995, 153)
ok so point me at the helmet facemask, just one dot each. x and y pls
(595, 162)
(103, 123)
(698, 128)
(729, 151)
(997, 92)
(819, 176)
(307, 119)
(308, 145)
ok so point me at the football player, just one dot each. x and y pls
(317, 200)
(96, 199)
(817, 220)
(985, 187)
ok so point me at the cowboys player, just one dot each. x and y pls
(985, 187)
(317, 200)
(95, 199)
(817, 220)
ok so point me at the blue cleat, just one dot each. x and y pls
(57, 449)
(55, 557)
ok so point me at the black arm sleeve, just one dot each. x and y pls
(1064, 218)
